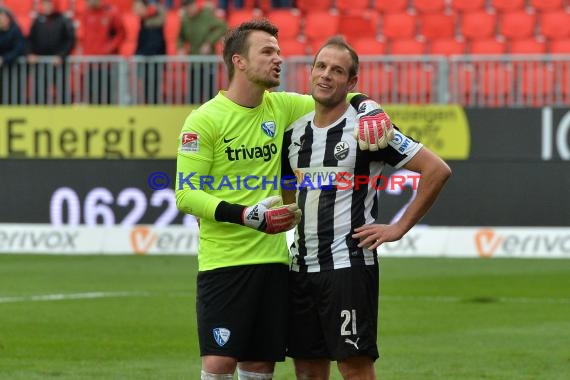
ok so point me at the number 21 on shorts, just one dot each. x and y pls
(348, 326)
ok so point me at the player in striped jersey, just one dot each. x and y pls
(334, 271)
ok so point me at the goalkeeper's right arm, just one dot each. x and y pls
(267, 215)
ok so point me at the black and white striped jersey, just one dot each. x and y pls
(327, 165)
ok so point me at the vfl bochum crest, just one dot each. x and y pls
(268, 127)
(221, 335)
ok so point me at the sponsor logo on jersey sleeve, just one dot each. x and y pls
(400, 142)
(190, 142)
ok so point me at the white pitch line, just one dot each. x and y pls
(69, 296)
(482, 299)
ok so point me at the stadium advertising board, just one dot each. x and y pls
(421, 241)
(444, 129)
(90, 132)
(151, 132)
(73, 240)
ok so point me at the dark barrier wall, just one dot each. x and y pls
(86, 192)
(519, 135)
(527, 193)
(517, 173)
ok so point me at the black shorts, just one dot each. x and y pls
(242, 312)
(334, 314)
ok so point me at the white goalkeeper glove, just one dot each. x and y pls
(265, 217)
(374, 129)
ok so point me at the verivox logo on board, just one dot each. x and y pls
(522, 242)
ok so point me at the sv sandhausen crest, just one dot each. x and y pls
(269, 128)
(341, 150)
(221, 335)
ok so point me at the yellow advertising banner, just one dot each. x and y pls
(442, 128)
(82, 132)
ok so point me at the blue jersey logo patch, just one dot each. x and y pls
(269, 128)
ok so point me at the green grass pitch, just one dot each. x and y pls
(132, 317)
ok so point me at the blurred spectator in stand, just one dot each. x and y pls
(262, 4)
(201, 29)
(12, 46)
(52, 34)
(281, 3)
(150, 42)
(103, 34)
(168, 4)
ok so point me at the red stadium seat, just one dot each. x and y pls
(462, 82)
(411, 46)
(376, 81)
(478, 25)
(487, 46)
(399, 25)
(237, 16)
(437, 25)
(79, 6)
(292, 46)
(547, 5)
(429, 6)
(123, 5)
(495, 82)
(132, 26)
(176, 82)
(517, 25)
(560, 46)
(527, 46)
(20, 7)
(447, 46)
(248, 4)
(128, 48)
(171, 30)
(368, 46)
(414, 82)
(319, 25)
(391, 6)
(287, 20)
(308, 6)
(461, 6)
(24, 21)
(508, 5)
(555, 25)
(361, 24)
(536, 82)
(562, 72)
(350, 6)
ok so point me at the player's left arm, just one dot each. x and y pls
(434, 174)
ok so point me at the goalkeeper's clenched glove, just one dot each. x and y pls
(270, 220)
(374, 129)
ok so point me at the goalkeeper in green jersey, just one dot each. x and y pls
(243, 257)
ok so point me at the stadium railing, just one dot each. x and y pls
(469, 80)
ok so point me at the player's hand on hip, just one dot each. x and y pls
(374, 129)
(371, 236)
(271, 217)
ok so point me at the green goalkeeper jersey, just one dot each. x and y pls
(233, 153)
